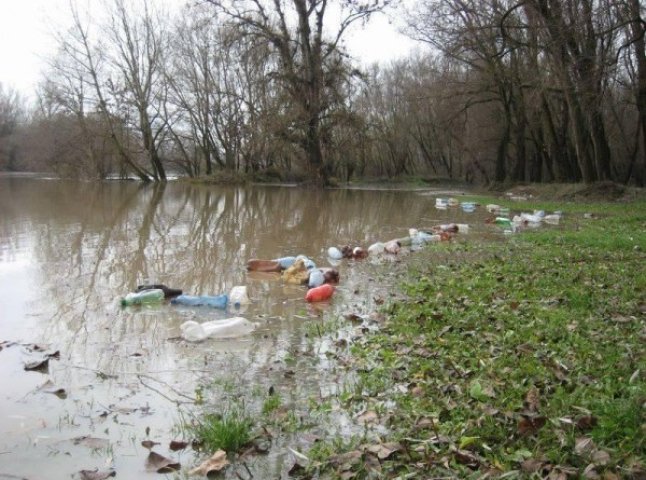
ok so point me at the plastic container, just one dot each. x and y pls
(320, 294)
(264, 266)
(155, 295)
(468, 207)
(334, 253)
(308, 262)
(441, 202)
(168, 292)
(285, 262)
(317, 278)
(238, 296)
(463, 227)
(215, 301)
(504, 221)
(227, 328)
(392, 246)
(552, 219)
(376, 248)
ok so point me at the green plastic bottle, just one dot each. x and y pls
(154, 295)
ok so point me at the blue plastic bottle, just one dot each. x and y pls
(216, 301)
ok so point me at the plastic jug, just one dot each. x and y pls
(216, 301)
(155, 295)
(227, 328)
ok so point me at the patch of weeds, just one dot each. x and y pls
(271, 403)
(229, 430)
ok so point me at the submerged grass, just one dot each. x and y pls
(228, 431)
(523, 358)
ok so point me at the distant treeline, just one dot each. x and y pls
(499, 91)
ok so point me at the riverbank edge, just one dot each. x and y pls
(517, 359)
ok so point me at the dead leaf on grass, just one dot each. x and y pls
(532, 465)
(529, 425)
(214, 464)
(367, 417)
(532, 399)
(384, 450)
(466, 458)
(601, 457)
(586, 422)
(583, 445)
(160, 464)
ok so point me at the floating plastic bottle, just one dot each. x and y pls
(316, 279)
(285, 262)
(256, 265)
(215, 301)
(334, 253)
(308, 262)
(193, 331)
(238, 296)
(154, 295)
(376, 248)
(168, 292)
(320, 294)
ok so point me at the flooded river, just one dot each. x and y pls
(118, 376)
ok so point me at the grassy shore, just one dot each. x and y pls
(516, 359)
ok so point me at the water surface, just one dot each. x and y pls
(69, 251)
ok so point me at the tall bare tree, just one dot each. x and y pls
(308, 58)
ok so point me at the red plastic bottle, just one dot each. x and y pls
(319, 294)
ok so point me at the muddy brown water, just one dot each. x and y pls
(69, 251)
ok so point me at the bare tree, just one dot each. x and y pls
(308, 58)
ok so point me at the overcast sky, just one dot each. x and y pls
(26, 26)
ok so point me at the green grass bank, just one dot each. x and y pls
(519, 358)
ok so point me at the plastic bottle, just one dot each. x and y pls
(238, 296)
(154, 295)
(168, 292)
(320, 294)
(227, 328)
(505, 222)
(376, 248)
(256, 265)
(285, 262)
(309, 263)
(334, 253)
(316, 278)
(216, 301)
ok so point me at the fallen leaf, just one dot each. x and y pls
(529, 425)
(532, 399)
(92, 442)
(160, 464)
(466, 458)
(532, 465)
(367, 417)
(586, 422)
(590, 472)
(176, 445)
(583, 445)
(37, 365)
(214, 464)
(148, 444)
(384, 450)
(96, 475)
(601, 457)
